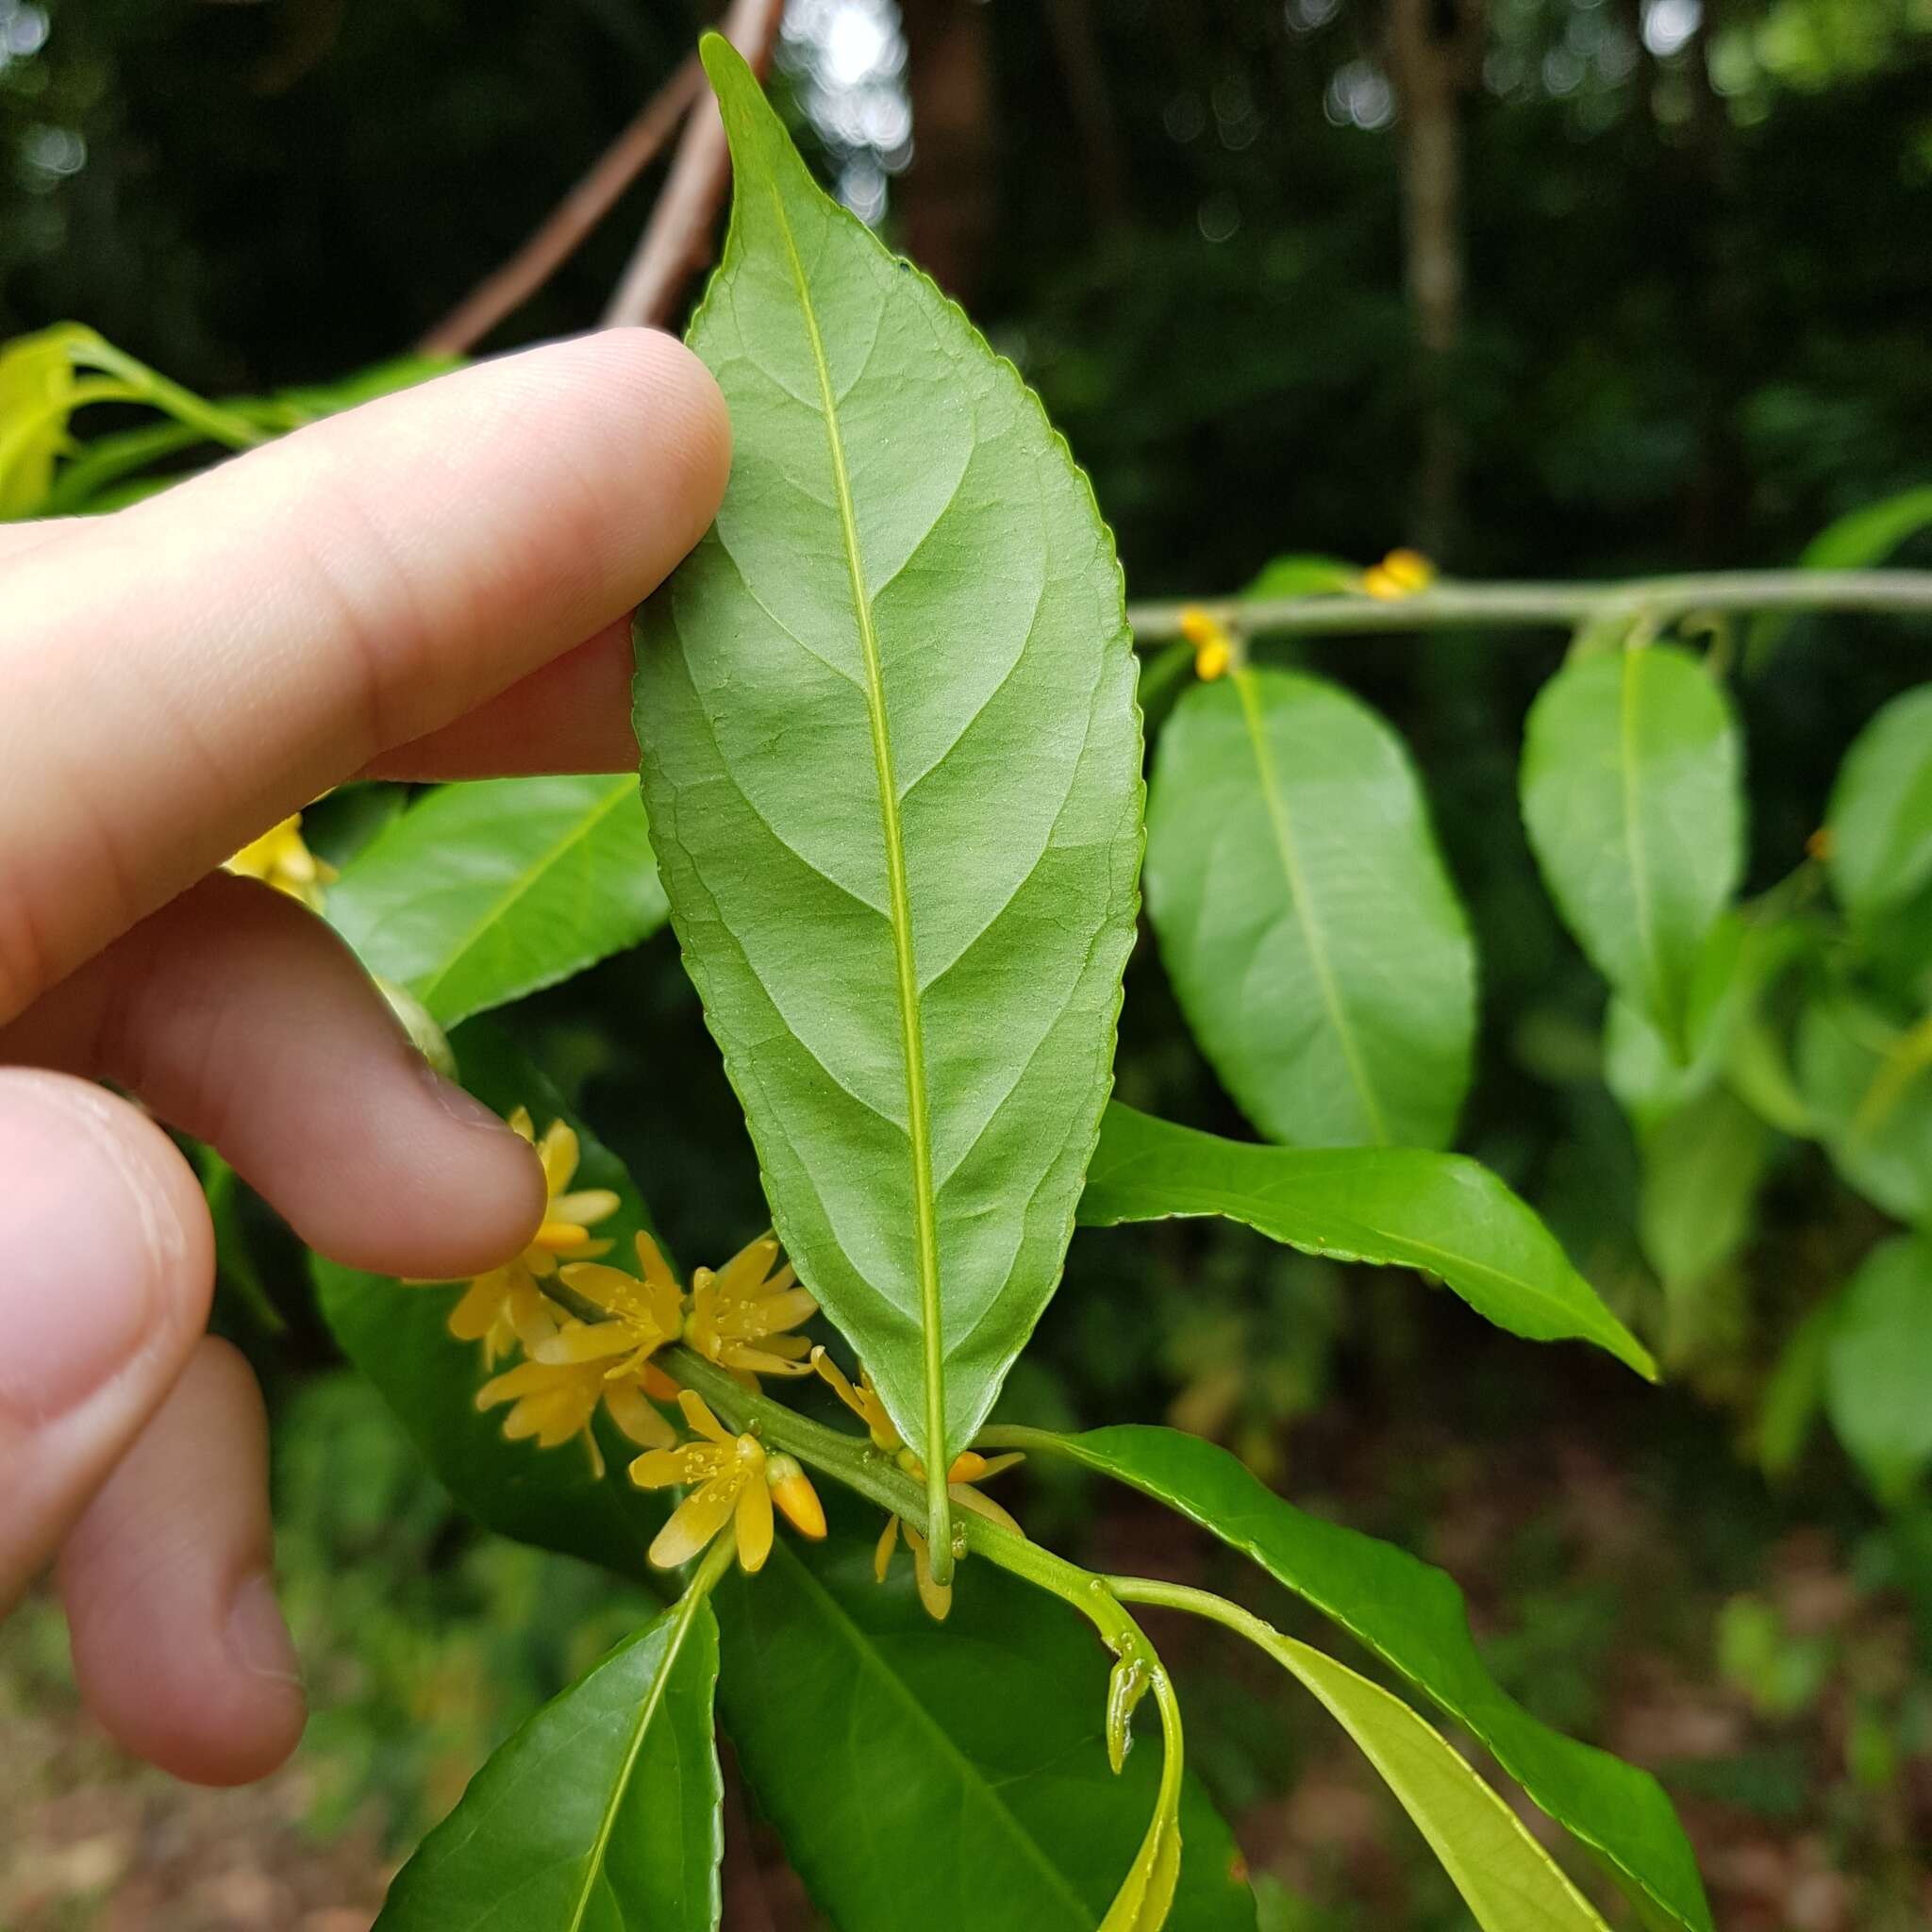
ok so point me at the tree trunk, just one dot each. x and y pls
(945, 198)
(1433, 47)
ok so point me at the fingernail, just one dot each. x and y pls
(84, 1242)
(257, 1638)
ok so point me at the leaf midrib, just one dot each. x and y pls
(682, 1618)
(1633, 836)
(524, 882)
(1303, 903)
(948, 1746)
(918, 1124)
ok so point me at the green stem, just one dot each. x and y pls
(217, 423)
(1550, 606)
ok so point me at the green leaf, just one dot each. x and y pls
(484, 893)
(1303, 573)
(1441, 1213)
(1412, 1617)
(1795, 1390)
(1878, 1366)
(1880, 815)
(235, 1263)
(962, 1766)
(893, 763)
(1702, 1168)
(1726, 1031)
(1855, 541)
(395, 1333)
(1632, 797)
(1313, 938)
(1144, 1902)
(1509, 1882)
(603, 1813)
(1868, 1083)
(38, 392)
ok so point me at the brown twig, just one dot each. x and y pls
(678, 240)
(562, 231)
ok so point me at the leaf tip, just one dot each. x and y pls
(725, 66)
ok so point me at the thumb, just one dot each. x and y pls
(109, 1263)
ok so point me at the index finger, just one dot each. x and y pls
(178, 675)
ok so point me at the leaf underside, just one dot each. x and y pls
(892, 758)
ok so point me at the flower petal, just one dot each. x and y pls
(586, 1206)
(746, 1268)
(698, 1417)
(754, 1514)
(636, 1417)
(557, 1151)
(696, 1520)
(586, 1342)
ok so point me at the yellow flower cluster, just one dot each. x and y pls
(1401, 574)
(739, 1316)
(967, 1469)
(1213, 643)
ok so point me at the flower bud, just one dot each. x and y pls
(797, 1500)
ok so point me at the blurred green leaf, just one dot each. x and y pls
(1878, 1366)
(1509, 1882)
(1868, 1082)
(1632, 796)
(1794, 1391)
(1856, 540)
(895, 793)
(1880, 816)
(1312, 932)
(1412, 1617)
(1441, 1213)
(37, 386)
(483, 892)
(1303, 575)
(951, 1776)
(1726, 1032)
(396, 1333)
(604, 1813)
(1702, 1168)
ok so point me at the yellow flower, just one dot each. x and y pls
(644, 1314)
(501, 1309)
(281, 859)
(739, 1313)
(1212, 641)
(969, 1466)
(567, 1217)
(727, 1475)
(554, 1403)
(863, 1402)
(792, 1492)
(938, 1597)
(1401, 574)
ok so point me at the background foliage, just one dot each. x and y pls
(1691, 333)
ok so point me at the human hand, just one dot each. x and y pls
(435, 585)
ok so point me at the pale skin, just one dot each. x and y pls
(437, 585)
